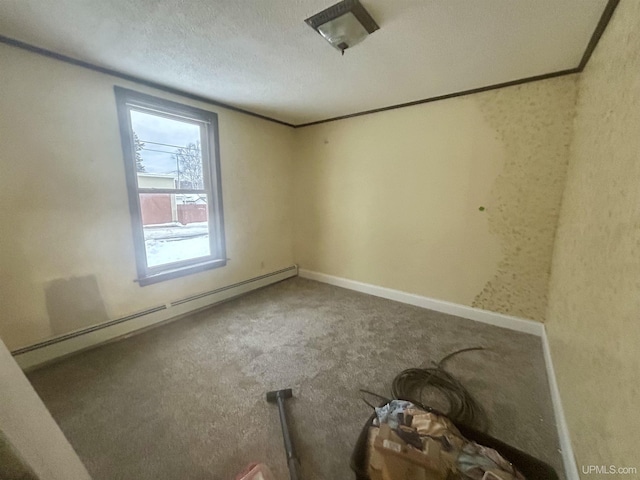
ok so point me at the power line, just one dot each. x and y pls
(159, 151)
(165, 144)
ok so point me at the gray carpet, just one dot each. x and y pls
(186, 400)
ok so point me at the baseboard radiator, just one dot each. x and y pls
(43, 352)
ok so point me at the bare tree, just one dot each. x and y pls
(138, 146)
(189, 161)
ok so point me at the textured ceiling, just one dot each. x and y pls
(259, 55)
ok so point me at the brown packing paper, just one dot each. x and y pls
(392, 459)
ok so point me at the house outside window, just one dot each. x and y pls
(172, 167)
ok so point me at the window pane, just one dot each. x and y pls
(175, 227)
(168, 151)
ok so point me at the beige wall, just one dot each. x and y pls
(393, 198)
(31, 443)
(63, 200)
(151, 180)
(594, 307)
(390, 199)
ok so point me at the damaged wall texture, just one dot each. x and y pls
(534, 123)
(393, 199)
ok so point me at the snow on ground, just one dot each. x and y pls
(173, 242)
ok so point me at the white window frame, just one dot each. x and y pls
(128, 100)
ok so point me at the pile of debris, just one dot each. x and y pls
(409, 443)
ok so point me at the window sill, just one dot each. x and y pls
(180, 272)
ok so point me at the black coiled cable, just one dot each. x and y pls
(411, 384)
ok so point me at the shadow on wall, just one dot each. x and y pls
(74, 303)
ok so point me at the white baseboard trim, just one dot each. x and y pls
(484, 316)
(568, 459)
(51, 349)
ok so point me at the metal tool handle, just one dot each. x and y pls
(292, 458)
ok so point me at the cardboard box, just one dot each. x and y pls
(392, 459)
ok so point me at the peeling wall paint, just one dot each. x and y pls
(534, 124)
